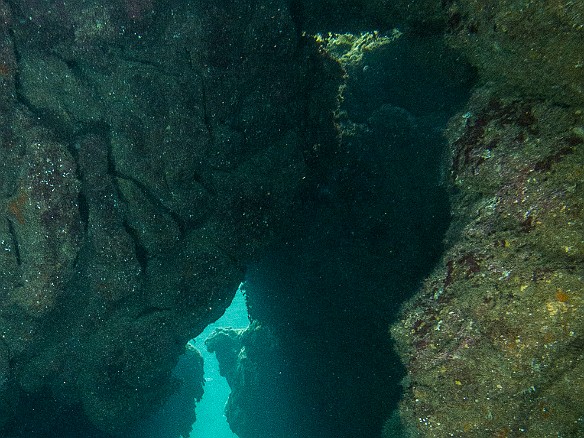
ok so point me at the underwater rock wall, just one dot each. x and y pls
(152, 151)
(523, 48)
(149, 151)
(493, 341)
(424, 16)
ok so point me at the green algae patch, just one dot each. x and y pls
(493, 340)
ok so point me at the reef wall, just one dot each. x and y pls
(149, 151)
(493, 341)
(153, 152)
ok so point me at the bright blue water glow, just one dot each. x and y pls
(211, 421)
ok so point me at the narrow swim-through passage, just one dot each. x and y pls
(211, 421)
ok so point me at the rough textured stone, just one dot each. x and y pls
(525, 48)
(423, 16)
(492, 342)
(362, 239)
(149, 152)
(152, 151)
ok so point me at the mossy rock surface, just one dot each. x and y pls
(493, 341)
(523, 47)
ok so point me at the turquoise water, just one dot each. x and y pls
(211, 421)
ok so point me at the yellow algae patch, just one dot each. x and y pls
(555, 307)
(348, 48)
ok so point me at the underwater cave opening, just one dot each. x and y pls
(358, 247)
(317, 360)
(211, 421)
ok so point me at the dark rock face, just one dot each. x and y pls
(149, 152)
(523, 48)
(153, 152)
(422, 16)
(499, 322)
(493, 340)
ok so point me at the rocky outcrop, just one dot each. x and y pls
(149, 152)
(152, 151)
(423, 16)
(523, 48)
(493, 340)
